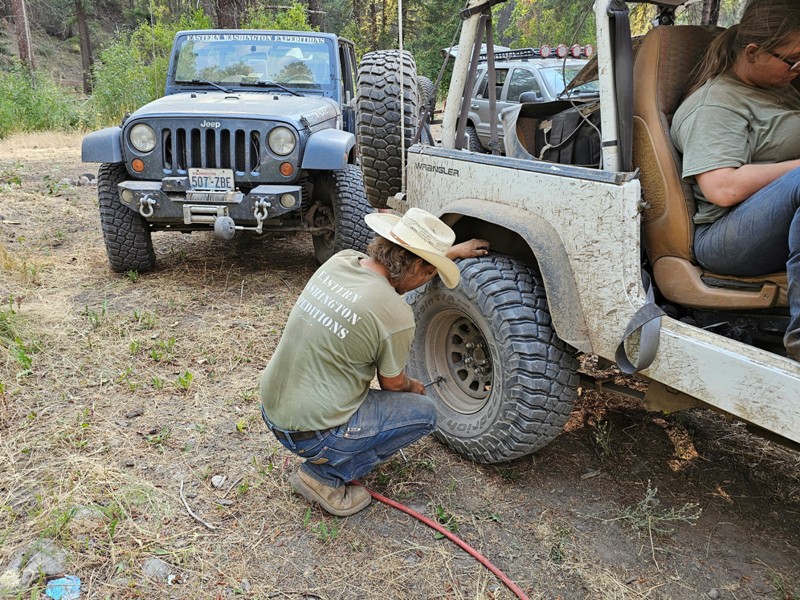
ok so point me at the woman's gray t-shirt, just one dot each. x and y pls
(727, 123)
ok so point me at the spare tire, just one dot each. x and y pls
(378, 120)
(427, 96)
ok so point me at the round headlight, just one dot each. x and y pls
(282, 141)
(143, 138)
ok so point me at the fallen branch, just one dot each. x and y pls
(191, 513)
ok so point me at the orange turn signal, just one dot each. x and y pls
(137, 164)
(287, 169)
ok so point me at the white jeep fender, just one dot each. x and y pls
(551, 259)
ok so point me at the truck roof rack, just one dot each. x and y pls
(544, 51)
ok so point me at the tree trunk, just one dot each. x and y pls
(23, 34)
(316, 16)
(229, 14)
(86, 46)
(710, 12)
(373, 13)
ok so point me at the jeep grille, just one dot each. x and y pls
(223, 148)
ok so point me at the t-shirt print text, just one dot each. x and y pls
(330, 295)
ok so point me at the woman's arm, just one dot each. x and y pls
(731, 186)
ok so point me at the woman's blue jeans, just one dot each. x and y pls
(757, 237)
(385, 423)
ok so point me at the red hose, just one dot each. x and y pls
(456, 540)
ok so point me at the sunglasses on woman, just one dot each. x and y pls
(793, 65)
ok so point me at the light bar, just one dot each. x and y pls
(544, 51)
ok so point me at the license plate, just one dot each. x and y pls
(211, 179)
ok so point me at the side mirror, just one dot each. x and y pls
(531, 97)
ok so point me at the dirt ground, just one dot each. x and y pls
(126, 399)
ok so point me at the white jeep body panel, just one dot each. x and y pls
(583, 227)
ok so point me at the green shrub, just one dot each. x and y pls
(40, 105)
(133, 70)
(293, 18)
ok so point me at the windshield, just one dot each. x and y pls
(297, 61)
(557, 77)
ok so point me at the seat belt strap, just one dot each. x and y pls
(623, 73)
(648, 319)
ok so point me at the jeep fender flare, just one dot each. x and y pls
(103, 146)
(328, 150)
(551, 258)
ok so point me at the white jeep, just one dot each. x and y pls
(573, 252)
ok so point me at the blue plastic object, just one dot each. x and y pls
(64, 588)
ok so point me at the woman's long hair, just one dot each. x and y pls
(766, 23)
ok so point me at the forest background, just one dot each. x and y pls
(82, 64)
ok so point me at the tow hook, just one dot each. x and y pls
(225, 227)
(146, 204)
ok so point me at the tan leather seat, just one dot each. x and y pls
(661, 75)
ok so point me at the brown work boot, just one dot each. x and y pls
(341, 501)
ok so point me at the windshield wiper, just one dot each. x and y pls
(202, 82)
(265, 83)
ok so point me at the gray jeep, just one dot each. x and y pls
(522, 75)
(255, 132)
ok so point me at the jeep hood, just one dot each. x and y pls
(299, 110)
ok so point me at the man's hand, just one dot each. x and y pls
(415, 386)
(469, 249)
(401, 383)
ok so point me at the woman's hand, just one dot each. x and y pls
(469, 249)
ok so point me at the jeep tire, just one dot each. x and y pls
(473, 141)
(427, 96)
(340, 201)
(509, 382)
(378, 120)
(125, 232)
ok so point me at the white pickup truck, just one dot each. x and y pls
(574, 249)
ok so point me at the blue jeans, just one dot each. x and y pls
(385, 423)
(760, 236)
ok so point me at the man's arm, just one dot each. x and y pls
(469, 249)
(401, 383)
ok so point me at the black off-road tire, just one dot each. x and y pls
(509, 381)
(473, 141)
(378, 120)
(126, 233)
(342, 202)
(427, 96)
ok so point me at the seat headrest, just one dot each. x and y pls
(676, 52)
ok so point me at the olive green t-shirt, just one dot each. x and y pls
(727, 123)
(347, 322)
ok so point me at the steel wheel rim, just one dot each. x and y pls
(465, 364)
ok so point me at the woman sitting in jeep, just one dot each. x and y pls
(739, 132)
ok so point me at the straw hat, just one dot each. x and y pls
(418, 231)
(298, 54)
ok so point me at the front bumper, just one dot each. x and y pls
(171, 202)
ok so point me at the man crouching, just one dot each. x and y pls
(350, 321)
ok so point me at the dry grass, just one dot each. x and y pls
(123, 388)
